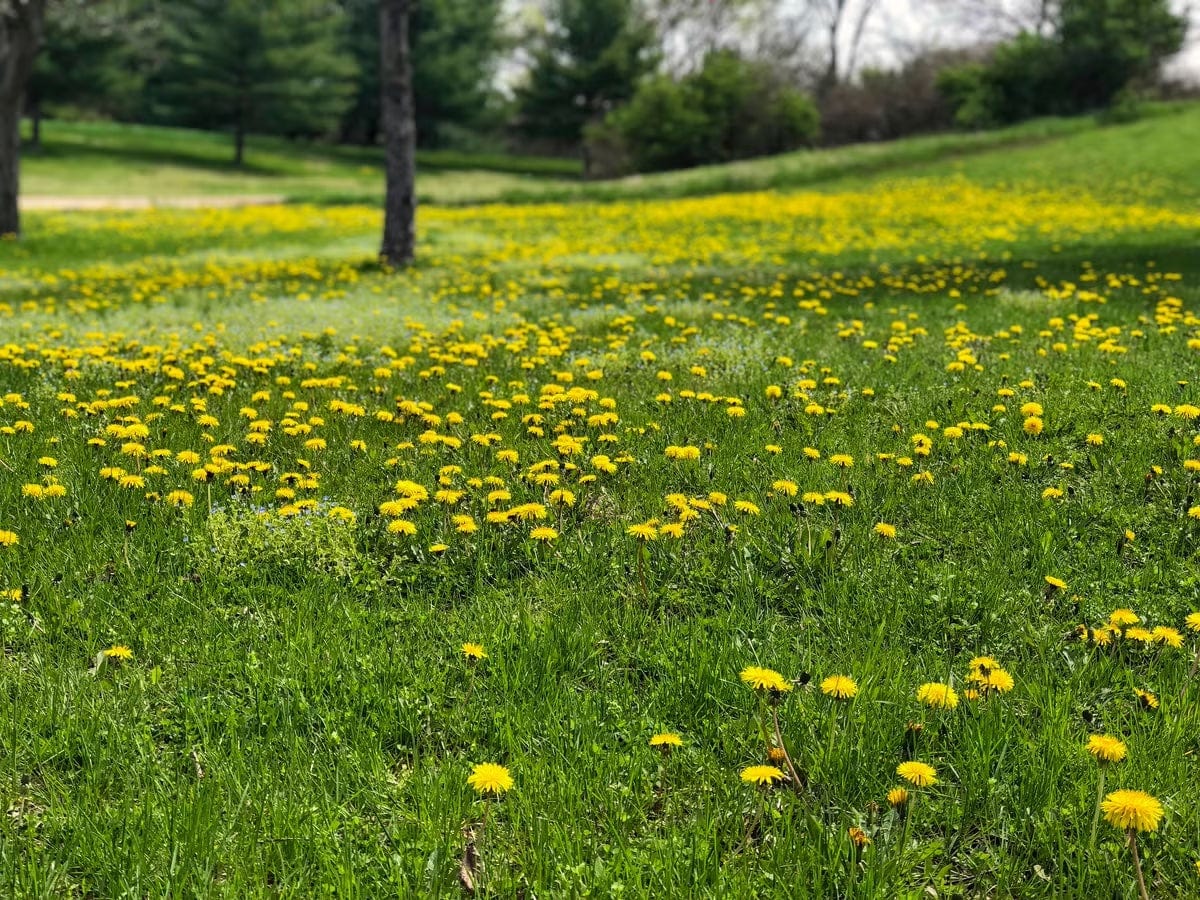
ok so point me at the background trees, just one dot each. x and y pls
(1076, 56)
(455, 48)
(254, 65)
(589, 60)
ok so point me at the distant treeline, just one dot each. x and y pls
(601, 78)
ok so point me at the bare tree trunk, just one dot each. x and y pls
(20, 37)
(239, 142)
(399, 132)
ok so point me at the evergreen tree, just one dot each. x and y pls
(274, 66)
(593, 56)
(84, 58)
(454, 48)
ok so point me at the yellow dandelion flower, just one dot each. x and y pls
(937, 695)
(490, 778)
(1132, 811)
(839, 687)
(666, 740)
(765, 679)
(884, 530)
(762, 776)
(1105, 748)
(474, 652)
(1146, 698)
(897, 796)
(918, 774)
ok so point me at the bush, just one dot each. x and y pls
(887, 104)
(730, 109)
(1099, 51)
(241, 537)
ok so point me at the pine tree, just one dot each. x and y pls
(274, 66)
(455, 44)
(593, 56)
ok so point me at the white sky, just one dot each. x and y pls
(900, 23)
(900, 26)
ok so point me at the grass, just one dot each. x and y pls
(241, 406)
(80, 159)
(86, 159)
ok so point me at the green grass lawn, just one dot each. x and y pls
(88, 159)
(256, 494)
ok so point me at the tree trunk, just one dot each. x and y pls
(20, 37)
(239, 143)
(34, 109)
(399, 132)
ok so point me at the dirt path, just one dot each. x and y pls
(217, 201)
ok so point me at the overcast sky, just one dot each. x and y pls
(901, 23)
(898, 27)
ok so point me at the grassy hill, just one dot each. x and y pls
(1154, 155)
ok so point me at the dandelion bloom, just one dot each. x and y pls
(490, 778)
(996, 680)
(1169, 636)
(839, 687)
(897, 796)
(8, 538)
(544, 533)
(1054, 582)
(763, 776)
(1132, 811)
(765, 679)
(1033, 425)
(1105, 748)
(119, 652)
(883, 529)
(666, 740)
(1193, 621)
(858, 837)
(1123, 617)
(646, 531)
(474, 652)
(937, 695)
(918, 774)
(1146, 698)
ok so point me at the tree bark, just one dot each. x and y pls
(35, 119)
(399, 132)
(239, 143)
(20, 37)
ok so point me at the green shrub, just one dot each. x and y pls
(730, 109)
(242, 537)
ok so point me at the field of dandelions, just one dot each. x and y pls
(810, 544)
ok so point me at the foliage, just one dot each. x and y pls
(1096, 50)
(455, 46)
(84, 58)
(239, 537)
(273, 66)
(729, 109)
(886, 104)
(591, 58)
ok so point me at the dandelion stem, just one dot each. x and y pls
(1096, 816)
(796, 783)
(1137, 865)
